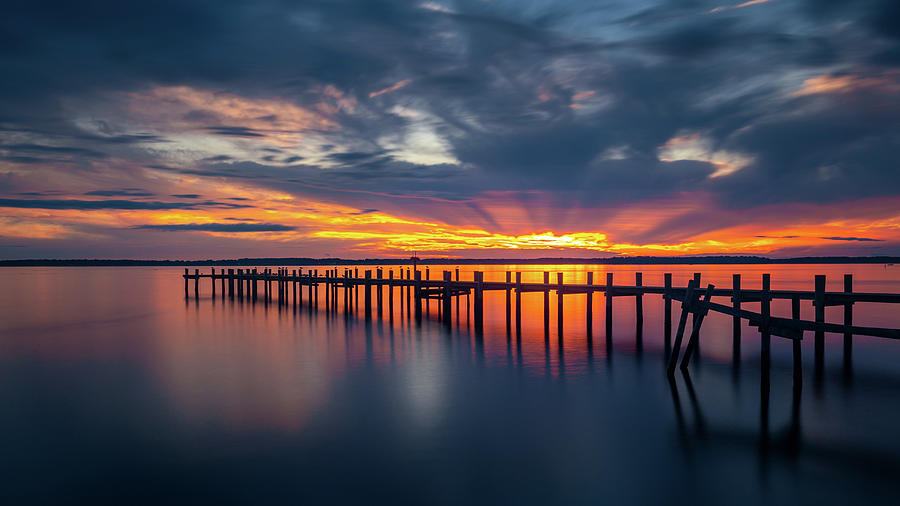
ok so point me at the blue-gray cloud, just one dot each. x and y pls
(220, 227)
(112, 204)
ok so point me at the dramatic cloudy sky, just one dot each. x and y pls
(199, 129)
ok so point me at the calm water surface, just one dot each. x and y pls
(114, 389)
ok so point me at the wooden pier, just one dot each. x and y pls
(285, 287)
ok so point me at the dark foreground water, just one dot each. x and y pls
(114, 389)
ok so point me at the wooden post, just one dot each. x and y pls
(417, 292)
(368, 295)
(479, 303)
(798, 361)
(667, 316)
(346, 293)
(518, 303)
(458, 297)
(407, 294)
(230, 283)
(255, 283)
(819, 302)
(186, 293)
(378, 293)
(212, 279)
(736, 319)
(427, 300)
(639, 300)
(265, 281)
(848, 323)
(508, 303)
(391, 295)
(609, 308)
(240, 284)
(223, 283)
(249, 282)
(547, 305)
(589, 308)
(197, 283)
(766, 312)
(639, 312)
(559, 305)
(446, 301)
(330, 283)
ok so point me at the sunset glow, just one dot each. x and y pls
(606, 141)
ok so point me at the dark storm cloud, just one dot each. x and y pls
(186, 195)
(111, 204)
(221, 227)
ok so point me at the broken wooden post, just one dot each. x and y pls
(848, 324)
(700, 312)
(686, 307)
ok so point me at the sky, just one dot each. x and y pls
(471, 128)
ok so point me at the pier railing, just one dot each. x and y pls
(286, 286)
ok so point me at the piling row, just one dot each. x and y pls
(285, 287)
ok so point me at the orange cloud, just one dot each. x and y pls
(281, 121)
(830, 83)
(738, 6)
(394, 87)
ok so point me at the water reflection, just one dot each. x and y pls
(287, 402)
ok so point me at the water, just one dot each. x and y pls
(114, 389)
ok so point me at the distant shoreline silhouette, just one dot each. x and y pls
(641, 260)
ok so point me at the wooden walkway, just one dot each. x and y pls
(287, 286)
